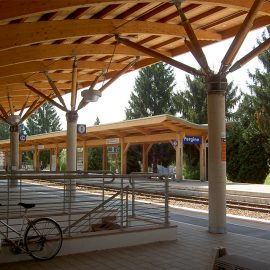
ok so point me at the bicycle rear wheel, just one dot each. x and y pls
(43, 238)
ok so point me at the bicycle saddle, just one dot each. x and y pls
(27, 205)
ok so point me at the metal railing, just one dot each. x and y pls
(86, 202)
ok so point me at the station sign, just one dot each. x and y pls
(192, 140)
(22, 137)
(81, 129)
(113, 149)
(113, 141)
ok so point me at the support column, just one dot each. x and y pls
(104, 158)
(179, 157)
(217, 153)
(85, 157)
(20, 159)
(146, 149)
(124, 149)
(14, 147)
(72, 117)
(203, 160)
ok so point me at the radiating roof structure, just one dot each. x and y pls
(40, 41)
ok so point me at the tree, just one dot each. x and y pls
(191, 103)
(250, 136)
(44, 120)
(152, 95)
(153, 91)
(4, 131)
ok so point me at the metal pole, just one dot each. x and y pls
(166, 200)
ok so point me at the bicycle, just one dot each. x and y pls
(41, 239)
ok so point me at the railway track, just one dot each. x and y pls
(231, 204)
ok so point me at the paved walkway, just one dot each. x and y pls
(192, 251)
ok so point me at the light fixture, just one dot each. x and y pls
(91, 95)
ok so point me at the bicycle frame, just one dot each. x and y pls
(18, 233)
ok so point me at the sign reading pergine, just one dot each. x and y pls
(192, 140)
(112, 141)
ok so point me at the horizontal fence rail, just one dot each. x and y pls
(85, 202)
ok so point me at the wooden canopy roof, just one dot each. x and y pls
(40, 40)
(161, 128)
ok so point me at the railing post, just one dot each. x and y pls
(166, 200)
(121, 204)
(133, 196)
(127, 216)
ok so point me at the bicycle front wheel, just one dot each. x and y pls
(43, 238)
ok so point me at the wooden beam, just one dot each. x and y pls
(41, 66)
(159, 56)
(11, 106)
(33, 89)
(196, 49)
(240, 36)
(37, 53)
(30, 109)
(41, 78)
(74, 85)
(255, 52)
(23, 106)
(45, 6)
(17, 35)
(55, 89)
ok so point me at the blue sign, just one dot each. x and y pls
(192, 140)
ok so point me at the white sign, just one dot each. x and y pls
(112, 141)
(40, 146)
(81, 129)
(22, 137)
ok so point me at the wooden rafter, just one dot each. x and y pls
(33, 89)
(196, 49)
(11, 106)
(3, 111)
(255, 52)
(159, 56)
(74, 85)
(240, 36)
(55, 89)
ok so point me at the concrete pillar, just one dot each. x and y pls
(179, 157)
(216, 157)
(72, 117)
(14, 147)
(203, 160)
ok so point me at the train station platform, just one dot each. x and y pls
(193, 249)
(252, 193)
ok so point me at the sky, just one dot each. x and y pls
(111, 106)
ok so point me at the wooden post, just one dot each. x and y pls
(179, 157)
(104, 158)
(203, 160)
(124, 149)
(145, 150)
(85, 157)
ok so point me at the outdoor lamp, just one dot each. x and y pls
(91, 95)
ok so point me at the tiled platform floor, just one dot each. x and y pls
(192, 251)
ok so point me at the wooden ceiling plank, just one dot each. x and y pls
(30, 33)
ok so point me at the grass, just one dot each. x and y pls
(267, 180)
